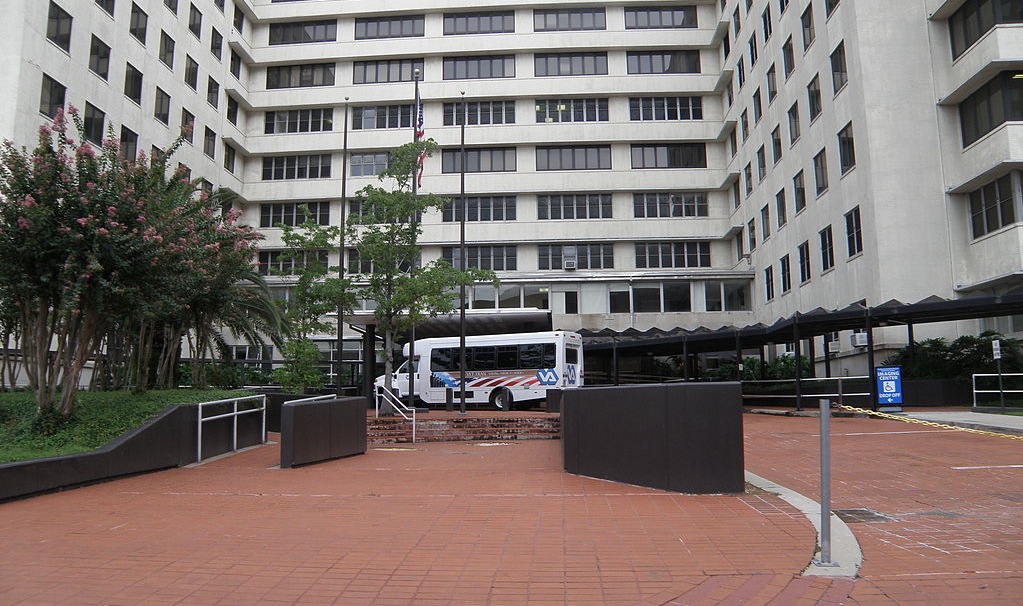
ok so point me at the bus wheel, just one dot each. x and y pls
(502, 399)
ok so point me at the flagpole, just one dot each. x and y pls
(341, 254)
(461, 263)
(417, 173)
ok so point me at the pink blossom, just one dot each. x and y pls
(82, 221)
(24, 223)
(103, 231)
(111, 211)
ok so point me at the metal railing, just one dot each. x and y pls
(840, 393)
(409, 414)
(1001, 391)
(234, 414)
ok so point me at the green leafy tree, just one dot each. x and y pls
(301, 366)
(385, 236)
(960, 359)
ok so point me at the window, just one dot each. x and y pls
(772, 83)
(195, 21)
(93, 122)
(396, 70)
(161, 106)
(479, 112)
(299, 121)
(846, 149)
(313, 166)
(785, 272)
(765, 21)
(660, 18)
(379, 116)
(752, 49)
(747, 174)
(799, 191)
(129, 144)
(794, 123)
(769, 283)
(496, 258)
(992, 206)
(569, 64)
(368, 164)
(761, 164)
(304, 32)
(782, 5)
(672, 254)
(677, 62)
(751, 234)
(573, 157)
(58, 27)
(236, 64)
(744, 124)
(830, 6)
(299, 76)
(776, 146)
(212, 92)
(229, 158)
(669, 204)
(132, 83)
(839, 73)
(107, 5)
(238, 19)
(138, 23)
(813, 93)
(187, 124)
(172, 5)
(219, 4)
(479, 208)
(820, 171)
(494, 22)
(209, 142)
(788, 58)
(853, 232)
(232, 110)
(808, 30)
(677, 155)
(287, 263)
(569, 19)
(99, 58)
(733, 143)
(975, 18)
(765, 222)
(469, 68)
(827, 249)
(803, 254)
(479, 160)
(993, 104)
(216, 44)
(585, 256)
(573, 206)
(191, 72)
(167, 49)
(740, 71)
(571, 110)
(369, 28)
(51, 96)
(780, 211)
(276, 214)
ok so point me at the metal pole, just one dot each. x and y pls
(798, 350)
(1001, 390)
(413, 368)
(341, 254)
(198, 437)
(461, 262)
(825, 559)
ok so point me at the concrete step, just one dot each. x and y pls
(390, 430)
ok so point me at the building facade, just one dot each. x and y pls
(700, 163)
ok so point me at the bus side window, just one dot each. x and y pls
(507, 357)
(571, 355)
(531, 355)
(444, 359)
(484, 358)
(550, 356)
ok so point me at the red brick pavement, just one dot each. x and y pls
(463, 523)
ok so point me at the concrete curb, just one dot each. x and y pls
(846, 555)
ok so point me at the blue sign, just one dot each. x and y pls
(889, 384)
(547, 376)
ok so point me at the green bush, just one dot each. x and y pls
(939, 359)
(300, 370)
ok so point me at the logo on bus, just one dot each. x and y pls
(547, 376)
(570, 374)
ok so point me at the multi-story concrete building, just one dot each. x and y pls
(628, 165)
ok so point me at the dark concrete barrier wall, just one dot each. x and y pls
(684, 437)
(322, 430)
(169, 440)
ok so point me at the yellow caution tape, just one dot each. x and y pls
(884, 415)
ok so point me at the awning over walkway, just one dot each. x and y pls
(477, 322)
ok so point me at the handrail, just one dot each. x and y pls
(839, 394)
(234, 414)
(384, 394)
(1001, 390)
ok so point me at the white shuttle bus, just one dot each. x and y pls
(502, 370)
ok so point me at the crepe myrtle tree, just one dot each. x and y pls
(90, 241)
(385, 236)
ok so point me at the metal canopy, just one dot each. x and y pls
(813, 323)
(477, 322)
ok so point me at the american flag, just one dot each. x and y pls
(420, 134)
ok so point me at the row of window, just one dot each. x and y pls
(477, 67)
(854, 246)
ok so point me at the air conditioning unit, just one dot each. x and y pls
(834, 346)
(569, 264)
(859, 339)
(569, 258)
